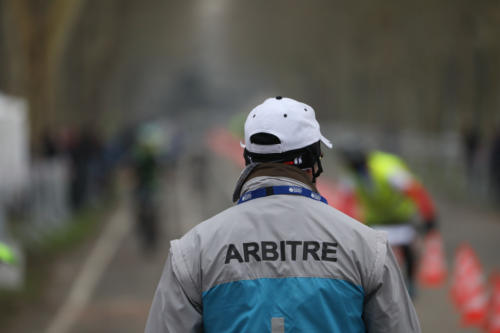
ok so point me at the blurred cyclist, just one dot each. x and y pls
(145, 164)
(390, 198)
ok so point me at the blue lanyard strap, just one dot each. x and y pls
(272, 190)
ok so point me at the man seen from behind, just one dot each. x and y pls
(281, 259)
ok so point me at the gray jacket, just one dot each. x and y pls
(281, 263)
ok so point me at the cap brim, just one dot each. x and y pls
(326, 142)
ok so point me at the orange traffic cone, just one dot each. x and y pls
(468, 287)
(432, 271)
(465, 263)
(493, 322)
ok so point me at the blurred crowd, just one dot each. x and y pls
(88, 160)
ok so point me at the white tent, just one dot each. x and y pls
(14, 148)
(14, 173)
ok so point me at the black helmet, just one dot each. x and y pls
(354, 157)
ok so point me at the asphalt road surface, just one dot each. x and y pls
(107, 285)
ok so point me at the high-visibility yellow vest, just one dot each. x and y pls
(380, 201)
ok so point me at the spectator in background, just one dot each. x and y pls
(84, 150)
(471, 140)
(50, 147)
(495, 164)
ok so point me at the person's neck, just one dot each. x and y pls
(272, 170)
(282, 170)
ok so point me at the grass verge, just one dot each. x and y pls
(80, 227)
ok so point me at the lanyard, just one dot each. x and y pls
(290, 190)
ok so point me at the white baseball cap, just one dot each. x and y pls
(292, 122)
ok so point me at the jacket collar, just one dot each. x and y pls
(258, 175)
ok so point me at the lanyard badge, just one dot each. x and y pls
(273, 190)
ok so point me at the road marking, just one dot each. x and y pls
(91, 272)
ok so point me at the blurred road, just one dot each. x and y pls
(481, 229)
(198, 187)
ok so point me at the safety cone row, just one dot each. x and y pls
(468, 289)
(493, 321)
(432, 270)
